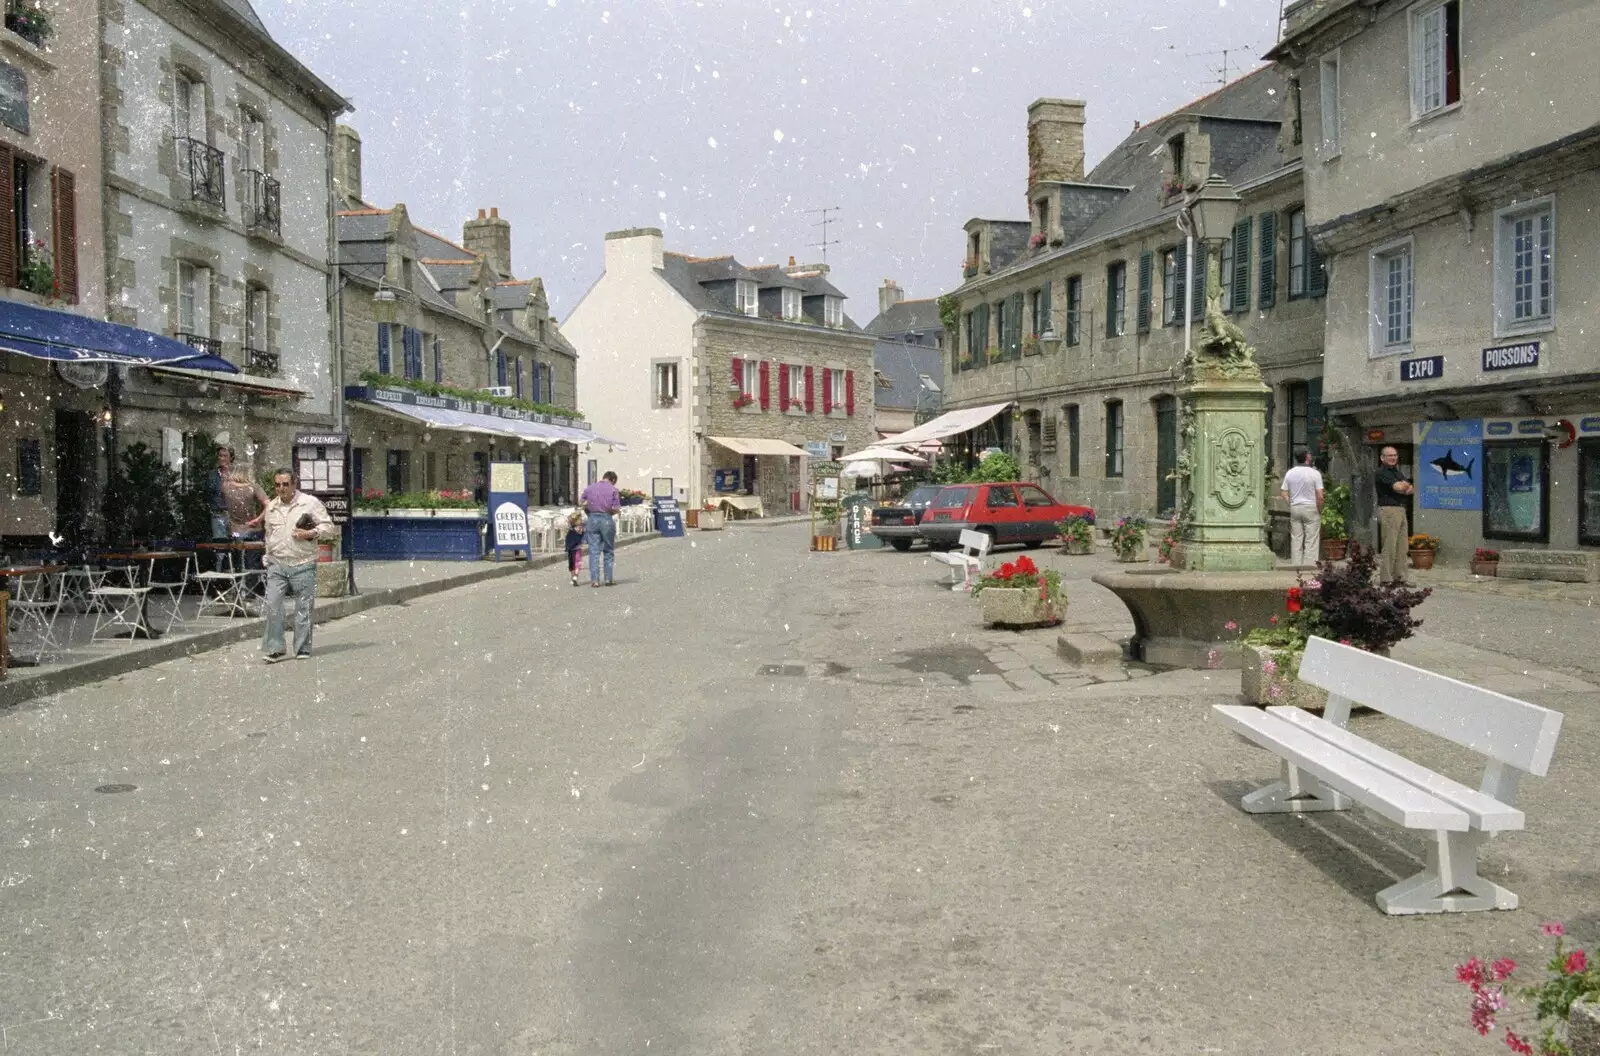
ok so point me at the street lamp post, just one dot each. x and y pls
(1208, 215)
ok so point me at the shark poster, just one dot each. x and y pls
(1450, 465)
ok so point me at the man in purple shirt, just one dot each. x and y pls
(603, 502)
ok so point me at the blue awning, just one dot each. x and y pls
(42, 333)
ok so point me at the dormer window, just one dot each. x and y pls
(1175, 152)
(833, 311)
(791, 304)
(1041, 210)
(744, 297)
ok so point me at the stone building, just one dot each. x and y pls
(450, 361)
(50, 255)
(908, 360)
(217, 147)
(1076, 315)
(1453, 181)
(722, 377)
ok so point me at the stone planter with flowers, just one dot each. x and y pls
(1485, 562)
(1076, 536)
(1127, 539)
(1019, 594)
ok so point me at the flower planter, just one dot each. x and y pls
(1072, 546)
(1333, 549)
(711, 520)
(1019, 607)
(1422, 560)
(1133, 557)
(1267, 680)
(1486, 568)
(418, 535)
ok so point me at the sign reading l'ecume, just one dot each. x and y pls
(1424, 369)
(1511, 357)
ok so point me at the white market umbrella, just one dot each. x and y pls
(861, 469)
(884, 454)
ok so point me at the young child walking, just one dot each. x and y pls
(575, 527)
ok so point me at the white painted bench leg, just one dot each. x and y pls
(1297, 793)
(1450, 883)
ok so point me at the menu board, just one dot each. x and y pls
(322, 468)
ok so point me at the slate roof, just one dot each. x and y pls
(770, 277)
(243, 9)
(901, 363)
(919, 316)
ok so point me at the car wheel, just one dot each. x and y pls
(994, 540)
(901, 545)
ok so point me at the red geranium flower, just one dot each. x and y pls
(1294, 599)
(1577, 963)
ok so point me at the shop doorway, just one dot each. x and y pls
(1408, 469)
(77, 474)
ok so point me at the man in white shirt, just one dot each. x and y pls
(1302, 490)
(295, 522)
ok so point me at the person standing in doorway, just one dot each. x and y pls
(217, 491)
(294, 522)
(601, 502)
(1302, 490)
(1393, 530)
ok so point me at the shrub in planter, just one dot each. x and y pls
(1127, 539)
(1020, 594)
(1485, 562)
(1076, 536)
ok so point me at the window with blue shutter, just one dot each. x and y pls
(538, 380)
(519, 377)
(383, 348)
(438, 361)
(1146, 273)
(1269, 261)
(1197, 307)
(1241, 265)
(500, 369)
(411, 344)
(1317, 270)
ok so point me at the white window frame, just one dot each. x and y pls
(664, 381)
(1171, 304)
(188, 123)
(791, 304)
(832, 311)
(1378, 298)
(194, 290)
(1505, 322)
(836, 391)
(1328, 88)
(745, 297)
(256, 303)
(750, 384)
(1421, 88)
(1299, 258)
(252, 140)
(1227, 274)
(797, 386)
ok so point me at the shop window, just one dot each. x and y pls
(358, 469)
(30, 476)
(1589, 493)
(1516, 491)
(397, 472)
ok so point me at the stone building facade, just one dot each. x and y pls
(456, 324)
(908, 360)
(51, 250)
(1453, 181)
(1076, 316)
(218, 195)
(720, 374)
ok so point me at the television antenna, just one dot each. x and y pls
(823, 223)
(1220, 72)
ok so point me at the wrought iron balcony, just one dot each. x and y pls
(260, 361)
(205, 344)
(263, 202)
(202, 163)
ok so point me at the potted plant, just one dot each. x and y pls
(1127, 539)
(1485, 562)
(1169, 542)
(1030, 345)
(1423, 549)
(632, 497)
(1335, 521)
(711, 516)
(1036, 241)
(1020, 594)
(1341, 604)
(1076, 536)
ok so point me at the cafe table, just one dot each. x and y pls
(125, 610)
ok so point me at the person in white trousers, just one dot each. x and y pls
(1302, 490)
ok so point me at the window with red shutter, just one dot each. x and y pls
(811, 402)
(849, 392)
(738, 372)
(783, 386)
(827, 391)
(64, 201)
(766, 387)
(8, 219)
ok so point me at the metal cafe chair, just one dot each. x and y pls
(34, 609)
(172, 590)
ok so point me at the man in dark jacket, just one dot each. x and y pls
(1394, 534)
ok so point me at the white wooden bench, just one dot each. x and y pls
(974, 548)
(1326, 767)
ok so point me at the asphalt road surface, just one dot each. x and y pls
(751, 800)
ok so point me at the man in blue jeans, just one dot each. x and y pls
(603, 502)
(294, 522)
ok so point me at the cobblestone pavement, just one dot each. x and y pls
(752, 800)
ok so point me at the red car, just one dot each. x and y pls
(1014, 512)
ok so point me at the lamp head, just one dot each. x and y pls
(1215, 208)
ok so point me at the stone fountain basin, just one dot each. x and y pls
(1181, 619)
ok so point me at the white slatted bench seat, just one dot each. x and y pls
(1327, 767)
(974, 548)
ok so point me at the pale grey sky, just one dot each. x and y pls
(724, 122)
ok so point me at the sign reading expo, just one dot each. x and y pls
(1450, 465)
(1511, 357)
(321, 468)
(1426, 368)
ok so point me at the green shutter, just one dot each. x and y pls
(1316, 270)
(1241, 266)
(1314, 416)
(1269, 260)
(1180, 275)
(1146, 265)
(1014, 305)
(1197, 311)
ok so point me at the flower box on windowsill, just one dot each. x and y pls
(420, 511)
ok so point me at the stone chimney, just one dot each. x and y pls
(798, 269)
(889, 295)
(634, 249)
(1055, 141)
(490, 238)
(346, 162)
